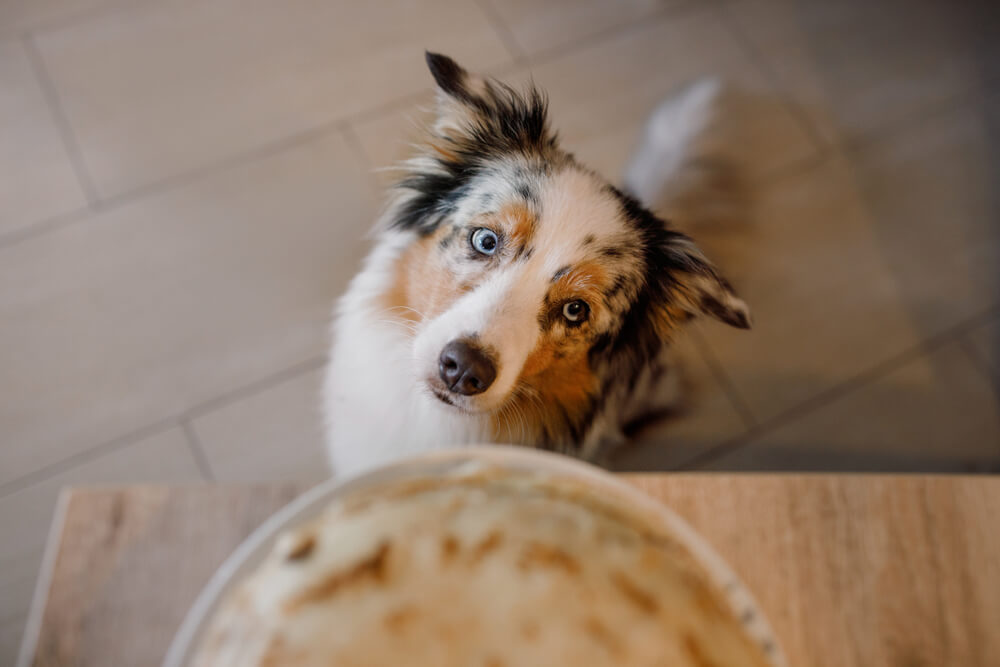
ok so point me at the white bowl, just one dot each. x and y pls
(246, 558)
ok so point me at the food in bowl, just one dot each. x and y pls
(486, 566)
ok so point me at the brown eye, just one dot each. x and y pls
(576, 311)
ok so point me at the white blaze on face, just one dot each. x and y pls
(501, 314)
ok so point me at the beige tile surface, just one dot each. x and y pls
(857, 67)
(825, 305)
(36, 177)
(984, 342)
(848, 263)
(600, 96)
(275, 434)
(388, 138)
(931, 189)
(17, 16)
(25, 516)
(209, 299)
(936, 412)
(157, 306)
(542, 25)
(169, 87)
(705, 417)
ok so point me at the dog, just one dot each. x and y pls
(513, 295)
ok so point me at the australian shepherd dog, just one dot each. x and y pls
(512, 295)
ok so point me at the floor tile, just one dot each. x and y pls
(601, 95)
(935, 413)
(705, 418)
(849, 263)
(17, 16)
(635, 71)
(27, 513)
(387, 139)
(152, 308)
(169, 87)
(858, 67)
(825, 306)
(275, 434)
(931, 188)
(36, 177)
(984, 342)
(541, 25)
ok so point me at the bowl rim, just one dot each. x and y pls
(312, 502)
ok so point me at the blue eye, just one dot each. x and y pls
(484, 241)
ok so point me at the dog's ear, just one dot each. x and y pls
(485, 115)
(461, 96)
(692, 284)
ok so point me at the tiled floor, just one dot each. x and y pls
(184, 187)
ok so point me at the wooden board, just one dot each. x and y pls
(131, 561)
(852, 570)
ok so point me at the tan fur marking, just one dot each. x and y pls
(445, 153)
(557, 373)
(586, 280)
(423, 287)
(560, 382)
(518, 224)
(668, 319)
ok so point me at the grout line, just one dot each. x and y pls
(62, 465)
(43, 227)
(722, 377)
(840, 390)
(197, 450)
(34, 230)
(174, 181)
(846, 142)
(261, 151)
(502, 30)
(73, 19)
(301, 137)
(546, 56)
(354, 141)
(70, 143)
(763, 66)
(253, 388)
(133, 437)
(980, 363)
(910, 121)
(43, 583)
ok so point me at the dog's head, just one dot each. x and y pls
(529, 279)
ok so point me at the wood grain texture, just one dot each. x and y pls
(859, 570)
(851, 570)
(131, 561)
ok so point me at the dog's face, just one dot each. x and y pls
(529, 277)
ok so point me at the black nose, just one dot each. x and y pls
(465, 368)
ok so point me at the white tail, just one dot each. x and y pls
(684, 167)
